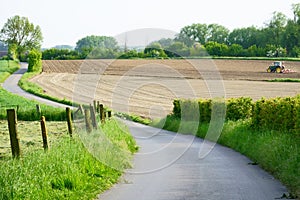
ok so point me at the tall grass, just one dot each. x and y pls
(27, 108)
(9, 66)
(68, 170)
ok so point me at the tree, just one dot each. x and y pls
(216, 49)
(236, 50)
(89, 43)
(20, 32)
(34, 61)
(244, 36)
(193, 33)
(177, 49)
(165, 42)
(276, 28)
(60, 54)
(296, 11)
(217, 33)
(154, 50)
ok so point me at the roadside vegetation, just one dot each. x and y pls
(68, 169)
(35, 89)
(285, 80)
(266, 131)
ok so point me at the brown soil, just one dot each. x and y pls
(148, 87)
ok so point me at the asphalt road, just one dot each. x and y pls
(167, 167)
(11, 85)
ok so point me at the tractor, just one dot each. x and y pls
(277, 67)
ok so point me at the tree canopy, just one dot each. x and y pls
(89, 43)
(21, 34)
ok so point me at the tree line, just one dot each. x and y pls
(280, 37)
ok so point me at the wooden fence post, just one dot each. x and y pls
(102, 114)
(44, 133)
(88, 123)
(93, 116)
(98, 106)
(69, 121)
(95, 106)
(38, 109)
(12, 127)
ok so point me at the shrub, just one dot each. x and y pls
(276, 113)
(34, 61)
(239, 108)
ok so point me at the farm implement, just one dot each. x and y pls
(278, 67)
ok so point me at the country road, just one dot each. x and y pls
(167, 167)
(11, 85)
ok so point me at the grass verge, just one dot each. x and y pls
(276, 152)
(26, 109)
(9, 66)
(134, 118)
(284, 80)
(35, 89)
(66, 171)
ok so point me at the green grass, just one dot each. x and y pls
(26, 109)
(276, 152)
(134, 118)
(35, 89)
(80, 167)
(30, 135)
(243, 58)
(284, 80)
(67, 170)
(9, 66)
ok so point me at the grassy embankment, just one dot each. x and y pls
(68, 170)
(276, 151)
(35, 89)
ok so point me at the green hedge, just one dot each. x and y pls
(281, 113)
(237, 108)
(277, 114)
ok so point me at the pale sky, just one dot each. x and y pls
(67, 21)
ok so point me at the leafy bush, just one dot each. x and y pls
(239, 108)
(34, 61)
(276, 113)
(282, 114)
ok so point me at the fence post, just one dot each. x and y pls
(95, 106)
(102, 114)
(69, 121)
(44, 133)
(88, 123)
(98, 106)
(12, 127)
(38, 109)
(93, 116)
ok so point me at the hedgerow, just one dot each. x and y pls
(280, 113)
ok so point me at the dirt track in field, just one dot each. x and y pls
(148, 87)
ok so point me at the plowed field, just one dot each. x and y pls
(148, 87)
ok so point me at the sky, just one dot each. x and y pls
(64, 22)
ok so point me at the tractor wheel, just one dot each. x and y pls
(269, 70)
(278, 70)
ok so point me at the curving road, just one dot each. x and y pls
(11, 85)
(167, 167)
